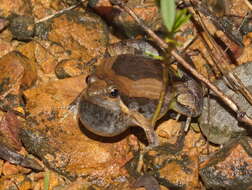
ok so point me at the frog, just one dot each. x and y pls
(129, 83)
(217, 122)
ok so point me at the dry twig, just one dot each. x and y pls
(241, 116)
(59, 12)
(219, 55)
(248, 4)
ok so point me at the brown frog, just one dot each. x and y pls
(128, 84)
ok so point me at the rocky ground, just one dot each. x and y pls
(43, 64)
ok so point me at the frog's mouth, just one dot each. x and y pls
(103, 121)
(105, 102)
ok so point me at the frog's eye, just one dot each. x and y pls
(113, 92)
(90, 79)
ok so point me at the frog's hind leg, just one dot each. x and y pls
(153, 142)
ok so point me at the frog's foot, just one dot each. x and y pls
(178, 116)
(151, 137)
(140, 162)
(181, 137)
(72, 108)
(146, 125)
(162, 149)
(153, 142)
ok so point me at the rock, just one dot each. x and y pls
(6, 46)
(17, 72)
(54, 134)
(69, 68)
(223, 124)
(230, 167)
(20, 7)
(16, 69)
(86, 36)
(181, 172)
(11, 181)
(22, 27)
(147, 11)
(174, 166)
(3, 23)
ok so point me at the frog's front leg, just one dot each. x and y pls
(144, 123)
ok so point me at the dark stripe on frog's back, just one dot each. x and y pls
(137, 67)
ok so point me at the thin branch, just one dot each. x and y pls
(59, 12)
(241, 116)
(241, 87)
(219, 56)
(222, 24)
(248, 4)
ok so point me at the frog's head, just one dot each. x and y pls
(99, 108)
(134, 81)
(102, 92)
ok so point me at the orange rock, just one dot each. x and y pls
(55, 135)
(86, 35)
(16, 71)
(10, 169)
(230, 167)
(182, 170)
(9, 7)
(69, 68)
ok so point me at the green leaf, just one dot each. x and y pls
(168, 13)
(181, 18)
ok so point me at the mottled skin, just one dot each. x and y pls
(137, 82)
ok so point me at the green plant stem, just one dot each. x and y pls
(165, 83)
(156, 114)
(47, 180)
